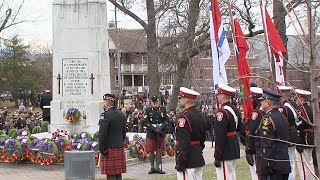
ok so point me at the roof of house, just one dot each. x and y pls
(129, 40)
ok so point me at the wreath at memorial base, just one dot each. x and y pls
(34, 149)
(170, 145)
(63, 144)
(47, 153)
(12, 150)
(3, 139)
(72, 115)
(137, 148)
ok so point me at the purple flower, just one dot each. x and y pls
(71, 110)
(47, 146)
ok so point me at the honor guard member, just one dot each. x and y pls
(45, 100)
(306, 135)
(253, 123)
(227, 148)
(273, 159)
(289, 112)
(156, 120)
(112, 133)
(191, 134)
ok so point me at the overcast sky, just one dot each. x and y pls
(39, 28)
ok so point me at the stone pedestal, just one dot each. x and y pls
(81, 74)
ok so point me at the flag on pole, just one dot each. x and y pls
(219, 45)
(241, 48)
(275, 45)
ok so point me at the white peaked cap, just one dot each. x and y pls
(188, 93)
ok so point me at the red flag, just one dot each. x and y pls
(241, 48)
(277, 48)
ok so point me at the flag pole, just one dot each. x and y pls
(232, 29)
(266, 40)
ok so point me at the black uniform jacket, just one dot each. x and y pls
(226, 125)
(45, 100)
(156, 117)
(253, 124)
(306, 131)
(191, 135)
(112, 129)
(274, 125)
(289, 112)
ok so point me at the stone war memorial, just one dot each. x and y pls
(81, 74)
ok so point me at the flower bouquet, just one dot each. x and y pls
(170, 145)
(73, 115)
(34, 146)
(12, 150)
(24, 140)
(137, 147)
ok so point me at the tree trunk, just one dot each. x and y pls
(188, 42)
(153, 53)
(279, 15)
(313, 81)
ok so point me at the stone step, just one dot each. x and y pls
(132, 160)
(127, 153)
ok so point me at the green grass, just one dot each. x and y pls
(242, 172)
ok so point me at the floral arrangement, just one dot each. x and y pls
(170, 145)
(33, 149)
(24, 140)
(12, 150)
(47, 153)
(73, 115)
(61, 139)
(137, 148)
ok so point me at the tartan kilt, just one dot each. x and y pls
(152, 145)
(114, 163)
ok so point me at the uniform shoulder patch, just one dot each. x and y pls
(254, 115)
(182, 122)
(219, 116)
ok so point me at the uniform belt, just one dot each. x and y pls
(155, 125)
(46, 106)
(292, 126)
(197, 142)
(232, 133)
(308, 130)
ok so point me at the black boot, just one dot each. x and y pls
(152, 170)
(159, 171)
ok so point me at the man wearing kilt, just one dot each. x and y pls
(191, 131)
(112, 133)
(156, 120)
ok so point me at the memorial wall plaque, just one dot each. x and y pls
(75, 82)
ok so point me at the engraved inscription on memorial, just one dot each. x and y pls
(75, 77)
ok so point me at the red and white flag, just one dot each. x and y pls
(275, 45)
(241, 48)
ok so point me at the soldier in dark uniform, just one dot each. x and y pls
(306, 134)
(45, 100)
(191, 135)
(112, 133)
(227, 149)
(288, 110)
(273, 158)
(21, 122)
(253, 123)
(156, 120)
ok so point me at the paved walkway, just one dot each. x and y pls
(28, 171)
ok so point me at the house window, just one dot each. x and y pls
(115, 61)
(144, 61)
(116, 81)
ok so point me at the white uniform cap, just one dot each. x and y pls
(227, 90)
(284, 89)
(188, 93)
(256, 91)
(302, 93)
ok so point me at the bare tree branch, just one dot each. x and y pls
(130, 13)
(5, 21)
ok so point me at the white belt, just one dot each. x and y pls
(155, 125)
(47, 107)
